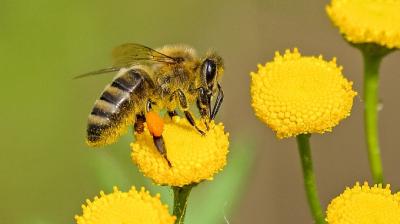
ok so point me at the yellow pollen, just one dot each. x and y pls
(367, 21)
(297, 95)
(131, 207)
(193, 157)
(364, 205)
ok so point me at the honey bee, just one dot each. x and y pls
(172, 77)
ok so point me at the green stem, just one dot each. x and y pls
(372, 55)
(371, 78)
(303, 143)
(181, 195)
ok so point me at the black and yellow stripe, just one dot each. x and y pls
(115, 104)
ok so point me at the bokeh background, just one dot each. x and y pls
(46, 170)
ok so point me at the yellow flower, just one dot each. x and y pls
(364, 205)
(193, 157)
(297, 95)
(397, 196)
(131, 207)
(367, 21)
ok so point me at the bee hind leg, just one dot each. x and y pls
(160, 145)
(157, 138)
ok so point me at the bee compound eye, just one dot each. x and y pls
(209, 70)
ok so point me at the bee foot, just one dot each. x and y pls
(169, 163)
(200, 131)
(207, 126)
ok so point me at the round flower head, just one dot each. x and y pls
(131, 207)
(367, 21)
(193, 157)
(297, 95)
(366, 205)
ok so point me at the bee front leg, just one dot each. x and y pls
(204, 106)
(184, 106)
(203, 114)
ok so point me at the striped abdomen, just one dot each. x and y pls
(114, 111)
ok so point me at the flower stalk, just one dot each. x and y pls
(303, 142)
(372, 55)
(181, 195)
(371, 77)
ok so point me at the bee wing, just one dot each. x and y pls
(128, 54)
(97, 72)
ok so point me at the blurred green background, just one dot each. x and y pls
(46, 169)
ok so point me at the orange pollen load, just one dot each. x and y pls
(155, 124)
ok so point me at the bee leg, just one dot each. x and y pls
(158, 140)
(172, 113)
(139, 123)
(149, 104)
(160, 145)
(204, 106)
(190, 118)
(218, 102)
(184, 105)
(203, 114)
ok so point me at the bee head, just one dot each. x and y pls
(211, 71)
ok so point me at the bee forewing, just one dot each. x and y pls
(98, 72)
(126, 55)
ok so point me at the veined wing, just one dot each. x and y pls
(128, 54)
(97, 72)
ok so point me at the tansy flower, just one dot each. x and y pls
(367, 21)
(365, 205)
(131, 207)
(296, 95)
(193, 157)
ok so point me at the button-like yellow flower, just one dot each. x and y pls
(364, 205)
(367, 21)
(298, 95)
(131, 207)
(193, 157)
